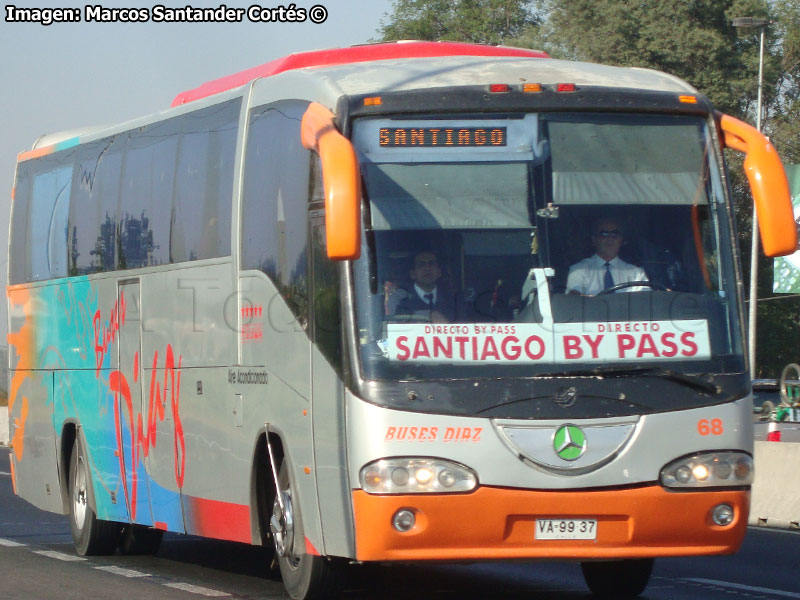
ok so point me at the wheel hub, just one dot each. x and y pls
(282, 525)
(79, 495)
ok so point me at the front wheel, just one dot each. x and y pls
(305, 576)
(619, 579)
(92, 536)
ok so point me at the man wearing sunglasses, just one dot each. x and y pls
(605, 269)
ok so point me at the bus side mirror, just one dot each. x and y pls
(341, 180)
(768, 183)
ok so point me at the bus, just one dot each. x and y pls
(212, 325)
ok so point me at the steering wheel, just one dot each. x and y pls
(627, 284)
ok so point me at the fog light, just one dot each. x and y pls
(404, 520)
(722, 514)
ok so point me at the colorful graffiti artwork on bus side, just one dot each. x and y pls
(87, 388)
(21, 344)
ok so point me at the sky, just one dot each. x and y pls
(70, 75)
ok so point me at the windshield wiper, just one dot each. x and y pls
(549, 399)
(692, 381)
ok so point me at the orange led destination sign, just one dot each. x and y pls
(441, 137)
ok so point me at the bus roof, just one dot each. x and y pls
(353, 54)
(325, 76)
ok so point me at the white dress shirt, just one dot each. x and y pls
(586, 276)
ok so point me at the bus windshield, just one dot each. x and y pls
(543, 244)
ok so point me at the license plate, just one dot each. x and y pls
(566, 529)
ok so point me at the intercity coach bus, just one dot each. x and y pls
(208, 337)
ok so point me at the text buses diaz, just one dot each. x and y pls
(368, 279)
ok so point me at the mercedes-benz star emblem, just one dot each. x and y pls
(569, 442)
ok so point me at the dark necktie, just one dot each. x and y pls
(608, 281)
(429, 300)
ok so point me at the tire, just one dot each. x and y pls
(619, 579)
(91, 536)
(305, 577)
(138, 539)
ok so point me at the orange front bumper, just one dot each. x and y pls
(498, 523)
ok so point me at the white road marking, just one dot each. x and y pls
(4, 473)
(59, 555)
(194, 589)
(744, 588)
(4, 542)
(120, 571)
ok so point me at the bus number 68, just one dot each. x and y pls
(713, 426)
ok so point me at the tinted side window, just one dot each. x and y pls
(93, 207)
(18, 259)
(276, 190)
(146, 198)
(47, 226)
(327, 320)
(201, 226)
(39, 227)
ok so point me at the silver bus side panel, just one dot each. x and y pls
(273, 341)
(33, 439)
(330, 457)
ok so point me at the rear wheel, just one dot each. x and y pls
(92, 536)
(618, 579)
(305, 576)
(138, 539)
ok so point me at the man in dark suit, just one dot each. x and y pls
(426, 299)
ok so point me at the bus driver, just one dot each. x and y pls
(605, 268)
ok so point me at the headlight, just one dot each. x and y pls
(709, 469)
(416, 476)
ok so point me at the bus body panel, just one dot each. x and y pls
(127, 384)
(274, 342)
(330, 458)
(301, 398)
(213, 480)
(476, 442)
(31, 425)
(192, 308)
(499, 523)
(271, 335)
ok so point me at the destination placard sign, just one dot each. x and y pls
(442, 137)
(518, 343)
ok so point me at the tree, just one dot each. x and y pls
(693, 40)
(477, 21)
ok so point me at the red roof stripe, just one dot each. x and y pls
(354, 54)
